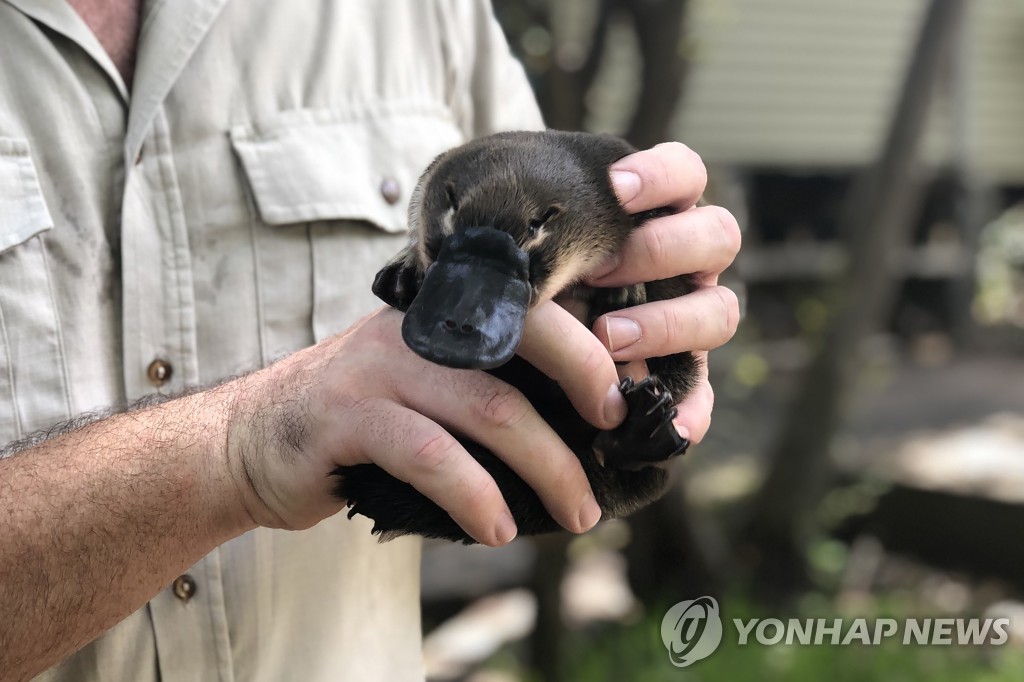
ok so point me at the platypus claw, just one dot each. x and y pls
(647, 435)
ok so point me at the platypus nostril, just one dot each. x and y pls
(468, 329)
(449, 324)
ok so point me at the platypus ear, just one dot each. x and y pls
(400, 280)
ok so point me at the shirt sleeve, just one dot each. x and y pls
(489, 89)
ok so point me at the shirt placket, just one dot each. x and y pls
(159, 306)
(160, 354)
(159, 317)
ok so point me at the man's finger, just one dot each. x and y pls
(636, 370)
(693, 418)
(703, 320)
(418, 451)
(705, 239)
(500, 418)
(559, 345)
(668, 174)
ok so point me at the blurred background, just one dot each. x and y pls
(867, 452)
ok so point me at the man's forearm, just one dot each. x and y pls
(94, 522)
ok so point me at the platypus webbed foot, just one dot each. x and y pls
(399, 281)
(647, 435)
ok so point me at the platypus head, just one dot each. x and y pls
(504, 223)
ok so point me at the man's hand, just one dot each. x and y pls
(695, 240)
(700, 240)
(364, 397)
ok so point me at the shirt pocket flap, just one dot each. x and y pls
(312, 164)
(23, 212)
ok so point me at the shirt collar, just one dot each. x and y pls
(60, 17)
(168, 37)
(170, 32)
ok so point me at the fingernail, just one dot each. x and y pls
(506, 529)
(682, 430)
(622, 332)
(590, 514)
(614, 406)
(626, 185)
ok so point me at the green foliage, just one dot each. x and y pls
(1000, 268)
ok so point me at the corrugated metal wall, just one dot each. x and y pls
(996, 87)
(811, 83)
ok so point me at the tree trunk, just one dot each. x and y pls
(659, 31)
(547, 648)
(875, 220)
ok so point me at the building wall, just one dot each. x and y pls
(811, 83)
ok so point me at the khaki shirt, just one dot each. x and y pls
(231, 208)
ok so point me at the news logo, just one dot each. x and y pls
(691, 630)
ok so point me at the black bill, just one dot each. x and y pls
(470, 310)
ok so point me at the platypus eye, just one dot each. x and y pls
(538, 223)
(449, 190)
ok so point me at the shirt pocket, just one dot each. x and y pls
(33, 380)
(349, 175)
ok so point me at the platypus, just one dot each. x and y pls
(498, 226)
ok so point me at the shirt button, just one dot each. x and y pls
(184, 587)
(390, 190)
(159, 372)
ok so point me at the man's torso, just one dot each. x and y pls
(232, 209)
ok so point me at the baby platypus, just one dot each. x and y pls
(498, 226)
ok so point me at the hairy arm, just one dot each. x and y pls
(96, 520)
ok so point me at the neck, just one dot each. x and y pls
(116, 25)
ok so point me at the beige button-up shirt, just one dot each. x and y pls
(230, 208)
